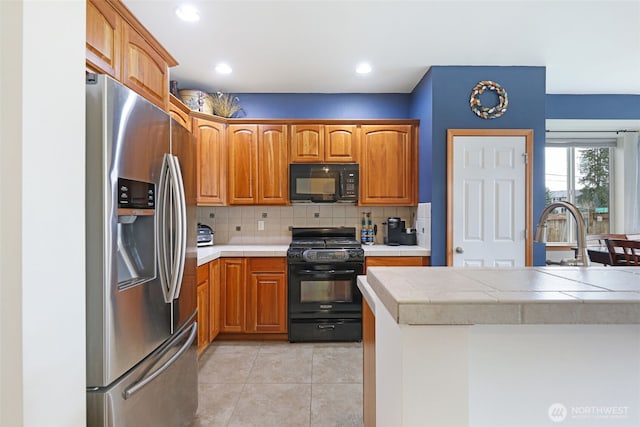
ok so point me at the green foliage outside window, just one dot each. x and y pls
(594, 168)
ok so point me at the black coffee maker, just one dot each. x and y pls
(394, 232)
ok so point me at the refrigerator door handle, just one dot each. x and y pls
(178, 246)
(161, 229)
(140, 384)
(181, 225)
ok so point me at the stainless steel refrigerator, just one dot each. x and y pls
(141, 261)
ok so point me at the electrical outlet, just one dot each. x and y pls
(264, 214)
(212, 215)
(316, 214)
(260, 225)
(238, 228)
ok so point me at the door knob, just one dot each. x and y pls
(459, 250)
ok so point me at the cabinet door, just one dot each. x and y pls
(214, 299)
(273, 166)
(307, 143)
(341, 143)
(232, 295)
(202, 297)
(143, 69)
(179, 112)
(104, 38)
(388, 165)
(212, 161)
(243, 164)
(266, 295)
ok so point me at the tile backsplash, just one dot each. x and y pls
(423, 225)
(271, 224)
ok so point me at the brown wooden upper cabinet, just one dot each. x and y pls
(258, 165)
(317, 143)
(179, 112)
(388, 165)
(104, 33)
(117, 44)
(143, 69)
(211, 168)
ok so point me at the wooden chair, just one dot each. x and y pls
(597, 247)
(624, 252)
(600, 239)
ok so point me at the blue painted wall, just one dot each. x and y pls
(597, 107)
(422, 109)
(442, 98)
(441, 101)
(325, 106)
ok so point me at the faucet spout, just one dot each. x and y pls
(582, 258)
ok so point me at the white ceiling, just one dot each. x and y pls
(313, 46)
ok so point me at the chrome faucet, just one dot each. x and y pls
(582, 258)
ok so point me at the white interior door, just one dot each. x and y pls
(488, 201)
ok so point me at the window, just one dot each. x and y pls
(579, 172)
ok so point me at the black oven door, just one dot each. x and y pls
(324, 290)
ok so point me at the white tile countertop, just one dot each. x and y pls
(210, 253)
(531, 295)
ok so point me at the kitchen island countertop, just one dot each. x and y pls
(531, 295)
(502, 347)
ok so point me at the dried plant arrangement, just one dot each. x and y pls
(225, 104)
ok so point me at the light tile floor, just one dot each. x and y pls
(280, 384)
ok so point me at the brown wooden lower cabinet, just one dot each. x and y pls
(214, 299)
(368, 365)
(253, 295)
(208, 302)
(396, 261)
(202, 297)
(266, 295)
(369, 334)
(232, 294)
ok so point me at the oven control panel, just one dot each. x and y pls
(326, 255)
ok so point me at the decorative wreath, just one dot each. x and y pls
(488, 112)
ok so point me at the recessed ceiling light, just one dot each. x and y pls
(188, 13)
(223, 68)
(363, 68)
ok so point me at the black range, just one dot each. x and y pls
(324, 302)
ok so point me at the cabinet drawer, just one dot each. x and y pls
(396, 261)
(268, 264)
(203, 273)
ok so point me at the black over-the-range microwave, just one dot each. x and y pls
(324, 183)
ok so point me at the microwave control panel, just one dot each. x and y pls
(350, 184)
